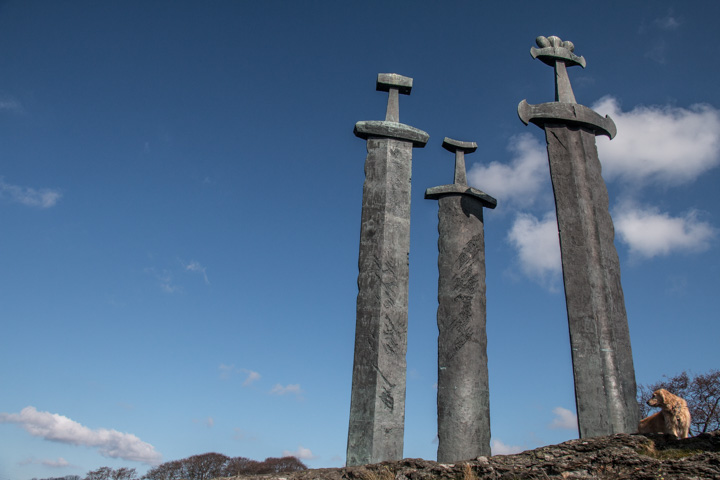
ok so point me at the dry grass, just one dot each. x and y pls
(383, 473)
(469, 473)
(668, 453)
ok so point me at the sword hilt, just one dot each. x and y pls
(558, 54)
(393, 84)
(459, 148)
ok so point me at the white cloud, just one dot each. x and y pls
(165, 280)
(564, 419)
(665, 145)
(242, 435)
(655, 146)
(210, 422)
(197, 268)
(11, 105)
(58, 428)
(649, 232)
(301, 453)
(538, 246)
(519, 182)
(28, 196)
(280, 390)
(251, 377)
(226, 371)
(58, 463)
(497, 447)
(668, 22)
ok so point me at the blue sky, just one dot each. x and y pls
(180, 194)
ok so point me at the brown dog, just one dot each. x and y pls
(673, 417)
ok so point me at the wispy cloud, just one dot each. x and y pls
(658, 52)
(10, 104)
(564, 419)
(280, 390)
(28, 196)
(165, 280)
(497, 447)
(520, 182)
(659, 145)
(209, 422)
(538, 247)
(301, 453)
(242, 435)
(197, 268)
(649, 232)
(251, 378)
(226, 371)
(658, 30)
(668, 22)
(52, 463)
(58, 428)
(170, 279)
(59, 463)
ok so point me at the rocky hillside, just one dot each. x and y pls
(656, 457)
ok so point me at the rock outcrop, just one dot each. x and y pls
(620, 456)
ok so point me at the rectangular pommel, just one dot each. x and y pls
(386, 81)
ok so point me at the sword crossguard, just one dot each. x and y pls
(394, 84)
(460, 186)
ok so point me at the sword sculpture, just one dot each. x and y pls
(377, 405)
(463, 397)
(599, 336)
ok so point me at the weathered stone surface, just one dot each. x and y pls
(377, 405)
(615, 457)
(388, 81)
(463, 399)
(435, 193)
(398, 131)
(599, 336)
(377, 410)
(569, 114)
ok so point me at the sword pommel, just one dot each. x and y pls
(386, 81)
(456, 145)
(553, 49)
(394, 84)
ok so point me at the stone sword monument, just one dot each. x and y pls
(463, 398)
(377, 404)
(599, 337)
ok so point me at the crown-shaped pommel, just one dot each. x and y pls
(553, 49)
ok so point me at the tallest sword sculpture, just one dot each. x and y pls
(599, 336)
(377, 403)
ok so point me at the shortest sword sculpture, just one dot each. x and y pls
(599, 336)
(463, 400)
